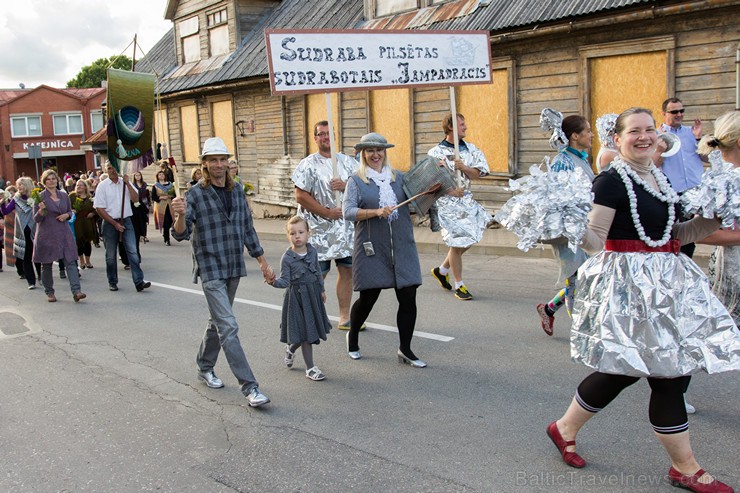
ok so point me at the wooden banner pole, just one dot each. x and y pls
(453, 111)
(333, 146)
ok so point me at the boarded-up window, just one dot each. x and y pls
(223, 122)
(486, 110)
(390, 116)
(316, 112)
(387, 7)
(610, 75)
(191, 49)
(218, 40)
(189, 129)
(161, 131)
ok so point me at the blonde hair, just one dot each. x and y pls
(362, 170)
(207, 177)
(195, 170)
(84, 182)
(27, 183)
(726, 134)
(295, 220)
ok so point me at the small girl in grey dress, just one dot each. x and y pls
(304, 320)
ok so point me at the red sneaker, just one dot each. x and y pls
(546, 320)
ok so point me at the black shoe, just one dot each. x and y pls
(143, 285)
(113, 287)
(442, 279)
(462, 293)
(62, 274)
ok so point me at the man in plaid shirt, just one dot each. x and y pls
(218, 223)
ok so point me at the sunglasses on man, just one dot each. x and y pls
(676, 112)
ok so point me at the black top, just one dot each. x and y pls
(610, 191)
(225, 197)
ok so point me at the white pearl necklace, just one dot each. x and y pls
(666, 194)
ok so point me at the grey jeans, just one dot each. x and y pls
(47, 278)
(222, 332)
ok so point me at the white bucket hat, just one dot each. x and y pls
(215, 146)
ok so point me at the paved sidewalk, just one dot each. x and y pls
(498, 242)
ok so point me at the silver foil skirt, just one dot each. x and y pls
(650, 314)
(718, 194)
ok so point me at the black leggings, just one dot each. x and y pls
(405, 317)
(667, 410)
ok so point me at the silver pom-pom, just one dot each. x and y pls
(718, 194)
(605, 129)
(552, 120)
(547, 206)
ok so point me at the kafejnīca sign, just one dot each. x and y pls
(332, 61)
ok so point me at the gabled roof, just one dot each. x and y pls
(6, 96)
(162, 58)
(250, 58)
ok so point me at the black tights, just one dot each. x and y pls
(405, 317)
(667, 410)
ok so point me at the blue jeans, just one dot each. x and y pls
(110, 240)
(222, 332)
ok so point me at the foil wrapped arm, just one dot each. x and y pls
(548, 206)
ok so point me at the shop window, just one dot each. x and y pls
(25, 126)
(68, 124)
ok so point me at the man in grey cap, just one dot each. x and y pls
(217, 220)
(331, 235)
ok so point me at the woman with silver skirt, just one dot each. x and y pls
(643, 309)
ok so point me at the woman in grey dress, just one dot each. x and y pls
(54, 239)
(384, 253)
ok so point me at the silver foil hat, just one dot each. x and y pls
(605, 128)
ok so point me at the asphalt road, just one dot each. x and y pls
(103, 395)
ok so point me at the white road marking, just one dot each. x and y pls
(270, 306)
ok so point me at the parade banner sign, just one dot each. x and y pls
(130, 116)
(304, 62)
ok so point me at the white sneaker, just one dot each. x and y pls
(689, 408)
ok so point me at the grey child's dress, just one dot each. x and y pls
(304, 316)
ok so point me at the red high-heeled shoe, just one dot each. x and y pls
(570, 458)
(692, 482)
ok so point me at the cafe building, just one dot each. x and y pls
(50, 123)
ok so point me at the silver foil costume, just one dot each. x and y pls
(332, 238)
(718, 194)
(463, 220)
(650, 314)
(548, 206)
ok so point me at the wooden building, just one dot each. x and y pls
(590, 57)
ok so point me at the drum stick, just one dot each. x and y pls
(333, 146)
(431, 189)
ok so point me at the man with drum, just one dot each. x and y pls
(462, 219)
(331, 235)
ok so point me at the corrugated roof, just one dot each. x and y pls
(162, 58)
(250, 58)
(501, 15)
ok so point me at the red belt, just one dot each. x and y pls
(673, 246)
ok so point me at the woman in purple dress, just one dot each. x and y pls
(54, 239)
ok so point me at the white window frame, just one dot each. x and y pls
(96, 114)
(25, 118)
(217, 17)
(66, 116)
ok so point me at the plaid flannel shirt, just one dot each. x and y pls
(218, 240)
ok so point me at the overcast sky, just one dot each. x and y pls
(49, 41)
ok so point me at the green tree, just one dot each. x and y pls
(91, 75)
